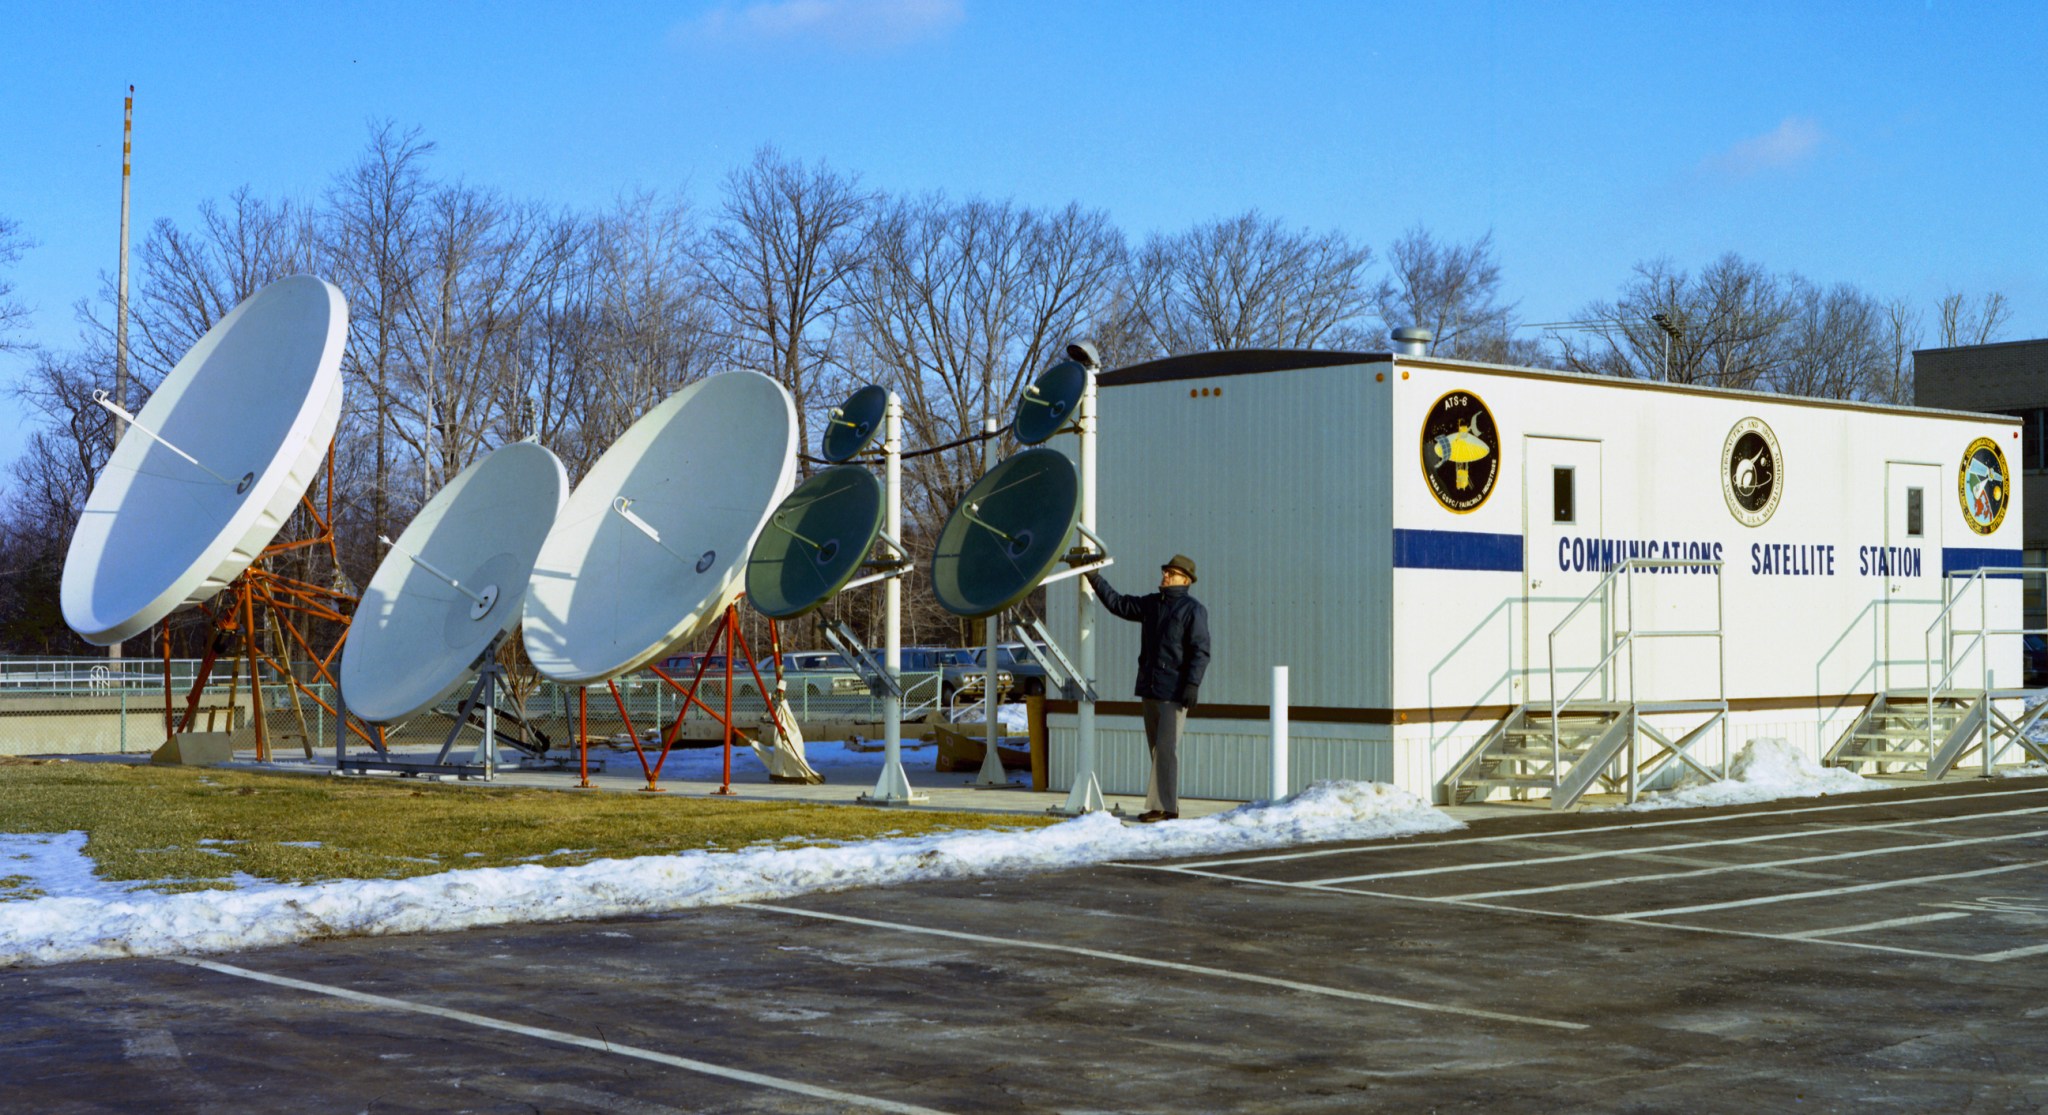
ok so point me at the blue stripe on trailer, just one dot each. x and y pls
(1458, 549)
(1967, 559)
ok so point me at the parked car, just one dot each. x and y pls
(1011, 658)
(818, 673)
(683, 667)
(959, 670)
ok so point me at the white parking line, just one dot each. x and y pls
(1829, 892)
(1552, 834)
(1662, 849)
(2009, 954)
(1174, 966)
(830, 1095)
(1496, 908)
(1737, 868)
(1872, 926)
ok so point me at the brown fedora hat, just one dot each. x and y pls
(1183, 563)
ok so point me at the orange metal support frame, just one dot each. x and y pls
(726, 635)
(284, 598)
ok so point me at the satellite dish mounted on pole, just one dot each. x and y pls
(1011, 531)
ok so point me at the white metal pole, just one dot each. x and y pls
(1086, 795)
(893, 786)
(992, 774)
(121, 285)
(1277, 781)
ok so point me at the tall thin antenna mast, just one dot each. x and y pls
(121, 287)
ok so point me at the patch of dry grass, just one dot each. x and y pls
(186, 829)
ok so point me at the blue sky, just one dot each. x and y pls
(1899, 146)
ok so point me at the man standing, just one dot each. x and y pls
(1173, 653)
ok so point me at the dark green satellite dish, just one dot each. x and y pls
(1007, 533)
(1050, 403)
(854, 423)
(814, 542)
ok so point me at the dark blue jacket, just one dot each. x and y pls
(1173, 640)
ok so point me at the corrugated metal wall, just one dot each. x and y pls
(1228, 759)
(1274, 484)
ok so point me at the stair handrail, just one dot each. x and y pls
(1980, 577)
(1626, 639)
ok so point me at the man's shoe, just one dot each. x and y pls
(1151, 815)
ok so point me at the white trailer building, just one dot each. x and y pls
(1491, 580)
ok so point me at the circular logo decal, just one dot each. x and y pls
(1752, 472)
(1460, 451)
(1983, 487)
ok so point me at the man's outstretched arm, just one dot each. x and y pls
(1119, 605)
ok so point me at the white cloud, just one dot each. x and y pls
(843, 24)
(1793, 142)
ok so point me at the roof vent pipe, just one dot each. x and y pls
(1411, 341)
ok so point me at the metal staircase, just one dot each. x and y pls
(1563, 748)
(1913, 732)
(1929, 732)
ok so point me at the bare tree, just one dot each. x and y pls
(374, 214)
(1901, 337)
(788, 238)
(1453, 290)
(190, 279)
(1962, 323)
(960, 302)
(487, 264)
(1728, 323)
(1834, 345)
(649, 325)
(13, 315)
(1248, 282)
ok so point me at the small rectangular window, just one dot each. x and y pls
(1561, 510)
(1913, 520)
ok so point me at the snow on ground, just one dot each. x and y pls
(1764, 770)
(85, 919)
(2033, 769)
(54, 864)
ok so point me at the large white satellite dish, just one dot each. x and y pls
(451, 584)
(212, 467)
(653, 543)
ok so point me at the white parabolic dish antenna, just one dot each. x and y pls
(254, 404)
(654, 542)
(416, 638)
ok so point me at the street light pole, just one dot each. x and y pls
(1671, 330)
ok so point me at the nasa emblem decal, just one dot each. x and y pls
(1752, 472)
(1982, 486)
(1460, 451)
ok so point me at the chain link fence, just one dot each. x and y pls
(72, 706)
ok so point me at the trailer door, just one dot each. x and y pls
(1911, 570)
(1561, 563)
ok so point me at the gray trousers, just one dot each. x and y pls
(1164, 721)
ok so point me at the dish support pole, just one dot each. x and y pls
(992, 775)
(1086, 796)
(892, 787)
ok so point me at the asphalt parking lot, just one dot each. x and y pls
(1882, 952)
